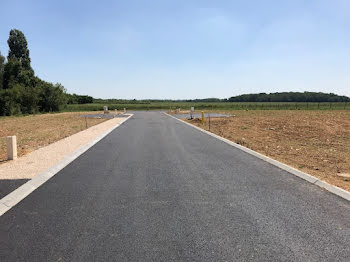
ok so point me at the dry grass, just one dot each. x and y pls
(35, 131)
(316, 142)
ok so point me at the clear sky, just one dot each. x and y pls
(185, 48)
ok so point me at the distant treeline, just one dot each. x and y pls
(262, 97)
(290, 97)
(79, 99)
(149, 101)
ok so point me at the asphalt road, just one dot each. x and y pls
(156, 189)
(8, 185)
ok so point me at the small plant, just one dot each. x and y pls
(244, 127)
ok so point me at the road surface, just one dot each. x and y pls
(156, 189)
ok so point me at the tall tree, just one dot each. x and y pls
(2, 64)
(17, 69)
(19, 48)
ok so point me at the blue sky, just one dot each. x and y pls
(185, 49)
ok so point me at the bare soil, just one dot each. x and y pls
(35, 131)
(316, 142)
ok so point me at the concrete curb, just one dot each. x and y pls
(9, 201)
(333, 189)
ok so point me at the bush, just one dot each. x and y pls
(52, 97)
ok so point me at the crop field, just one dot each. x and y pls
(211, 106)
(36, 131)
(316, 142)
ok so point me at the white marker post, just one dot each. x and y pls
(192, 111)
(11, 142)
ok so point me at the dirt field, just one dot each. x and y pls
(316, 142)
(35, 131)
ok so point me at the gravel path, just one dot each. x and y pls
(104, 116)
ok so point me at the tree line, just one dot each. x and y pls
(262, 97)
(79, 99)
(290, 97)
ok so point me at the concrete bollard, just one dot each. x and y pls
(11, 142)
(124, 110)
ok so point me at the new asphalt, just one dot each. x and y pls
(156, 189)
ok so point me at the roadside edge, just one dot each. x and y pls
(313, 180)
(13, 198)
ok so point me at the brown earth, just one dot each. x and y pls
(316, 142)
(35, 131)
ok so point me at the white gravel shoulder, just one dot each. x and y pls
(42, 159)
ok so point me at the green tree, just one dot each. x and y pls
(10, 102)
(19, 48)
(52, 97)
(2, 64)
(17, 69)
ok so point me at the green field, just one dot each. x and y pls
(211, 106)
